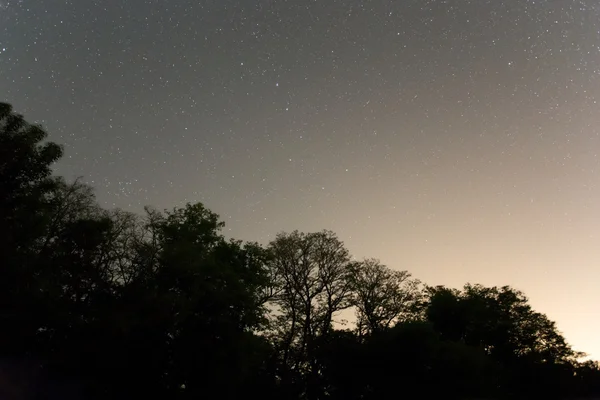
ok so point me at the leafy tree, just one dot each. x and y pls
(25, 186)
(211, 287)
(500, 321)
(25, 182)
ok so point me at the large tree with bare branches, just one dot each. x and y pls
(382, 296)
(311, 272)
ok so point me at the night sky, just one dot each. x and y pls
(456, 139)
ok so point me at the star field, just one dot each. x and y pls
(457, 139)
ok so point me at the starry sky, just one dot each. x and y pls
(456, 139)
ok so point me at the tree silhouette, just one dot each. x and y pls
(26, 184)
(382, 297)
(501, 322)
(312, 273)
(212, 287)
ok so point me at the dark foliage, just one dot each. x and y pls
(99, 304)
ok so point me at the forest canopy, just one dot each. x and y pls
(108, 304)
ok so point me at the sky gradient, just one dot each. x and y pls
(455, 139)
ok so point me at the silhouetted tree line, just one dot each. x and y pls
(106, 304)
